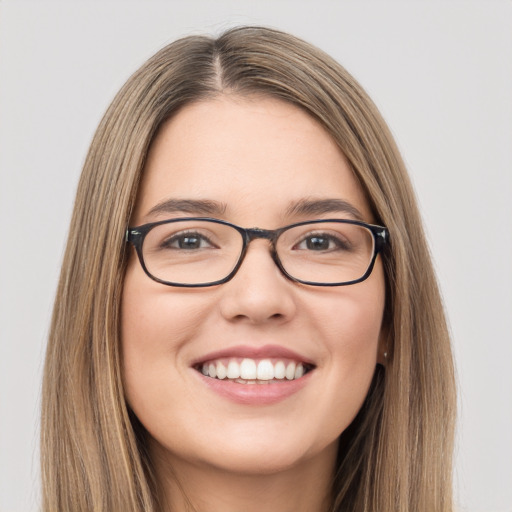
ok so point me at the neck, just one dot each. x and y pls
(190, 487)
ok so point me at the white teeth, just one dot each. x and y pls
(222, 371)
(233, 370)
(279, 370)
(248, 369)
(290, 371)
(265, 370)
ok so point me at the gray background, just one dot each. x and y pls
(441, 73)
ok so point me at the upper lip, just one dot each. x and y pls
(251, 352)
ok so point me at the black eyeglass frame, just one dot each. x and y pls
(136, 236)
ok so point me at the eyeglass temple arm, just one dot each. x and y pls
(381, 236)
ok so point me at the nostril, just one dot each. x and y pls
(252, 317)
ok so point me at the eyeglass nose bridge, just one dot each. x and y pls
(255, 233)
(271, 235)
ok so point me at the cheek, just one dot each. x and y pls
(156, 317)
(350, 324)
(156, 323)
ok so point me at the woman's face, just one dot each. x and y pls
(255, 162)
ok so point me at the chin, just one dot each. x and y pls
(253, 453)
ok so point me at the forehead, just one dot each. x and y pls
(257, 157)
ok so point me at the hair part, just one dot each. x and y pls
(397, 454)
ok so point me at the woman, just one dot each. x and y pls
(247, 316)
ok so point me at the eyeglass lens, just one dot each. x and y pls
(194, 251)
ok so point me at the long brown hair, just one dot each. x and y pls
(397, 454)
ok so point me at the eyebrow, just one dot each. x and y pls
(191, 206)
(306, 207)
(321, 206)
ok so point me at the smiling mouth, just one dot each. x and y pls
(254, 371)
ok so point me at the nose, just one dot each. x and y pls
(259, 292)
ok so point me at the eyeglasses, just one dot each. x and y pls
(198, 252)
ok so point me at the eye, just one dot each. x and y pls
(187, 241)
(321, 242)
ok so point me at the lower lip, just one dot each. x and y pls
(256, 394)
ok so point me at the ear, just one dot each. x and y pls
(384, 347)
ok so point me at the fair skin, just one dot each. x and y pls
(256, 157)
